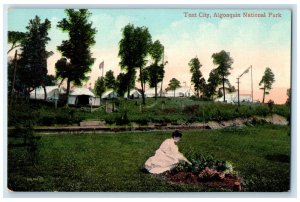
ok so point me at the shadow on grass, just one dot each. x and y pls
(278, 158)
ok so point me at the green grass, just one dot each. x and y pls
(164, 110)
(111, 162)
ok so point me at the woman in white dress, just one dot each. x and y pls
(167, 156)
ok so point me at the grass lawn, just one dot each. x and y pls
(111, 162)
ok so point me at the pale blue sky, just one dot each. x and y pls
(258, 41)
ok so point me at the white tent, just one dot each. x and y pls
(83, 96)
(134, 93)
(233, 98)
(39, 93)
(109, 94)
(151, 92)
(181, 92)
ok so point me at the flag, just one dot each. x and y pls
(101, 66)
(247, 70)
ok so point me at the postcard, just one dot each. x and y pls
(149, 99)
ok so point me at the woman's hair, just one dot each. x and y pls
(176, 133)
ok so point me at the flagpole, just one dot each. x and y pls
(251, 84)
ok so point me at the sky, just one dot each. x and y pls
(261, 41)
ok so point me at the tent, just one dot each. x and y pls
(109, 94)
(181, 92)
(39, 93)
(233, 98)
(151, 92)
(134, 93)
(82, 97)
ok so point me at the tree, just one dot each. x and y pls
(100, 86)
(33, 58)
(134, 47)
(288, 93)
(155, 71)
(121, 82)
(197, 77)
(213, 82)
(174, 84)
(110, 81)
(267, 81)
(50, 80)
(224, 62)
(77, 58)
(15, 39)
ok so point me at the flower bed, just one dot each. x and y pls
(205, 171)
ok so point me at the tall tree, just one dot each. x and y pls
(197, 77)
(100, 86)
(156, 71)
(33, 58)
(77, 57)
(110, 81)
(267, 81)
(213, 81)
(134, 47)
(224, 62)
(174, 84)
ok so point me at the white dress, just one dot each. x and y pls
(165, 158)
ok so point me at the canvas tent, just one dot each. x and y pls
(39, 93)
(181, 92)
(233, 98)
(151, 92)
(109, 94)
(134, 93)
(83, 97)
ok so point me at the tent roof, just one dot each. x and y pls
(106, 93)
(82, 91)
(40, 90)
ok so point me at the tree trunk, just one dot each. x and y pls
(142, 81)
(155, 91)
(45, 92)
(128, 90)
(263, 101)
(14, 78)
(174, 92)
(224, 89)
(68, 87)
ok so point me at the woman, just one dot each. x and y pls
(167, 156)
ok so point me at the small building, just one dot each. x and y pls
(83, 97)
(52, 93)
(109, 94)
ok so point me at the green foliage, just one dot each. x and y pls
(197, 77)
(121, 84)
(213, 82)
(174, 84)
(15, 39)
(110, 81)
(100, 86)
(133, 49)
(33, 58)
(224, 62)
(77, 57)
(267, 81)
